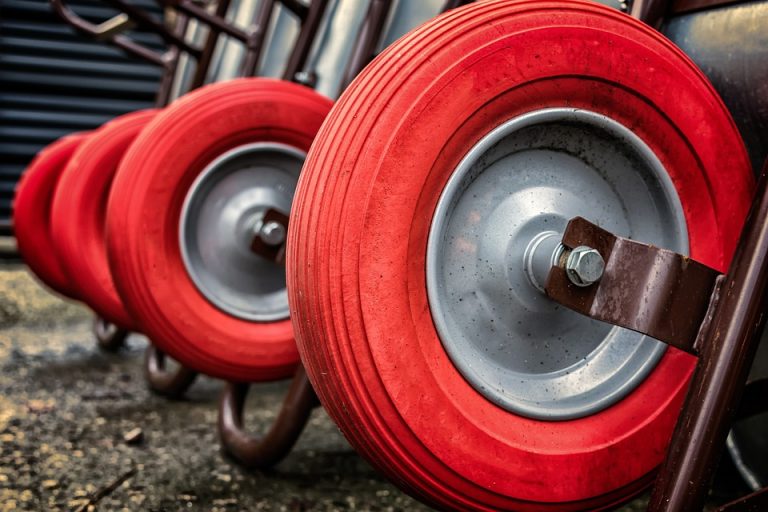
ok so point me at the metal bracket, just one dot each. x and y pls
(645, 288)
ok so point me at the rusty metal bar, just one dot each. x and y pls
(264, 452)
(309, 26)
(204, 61)
(727, 351)
(170, 65)
(191, 9)
(644, 288)
(169, 384)
(368, 39)
(121, 41)
(297, 8)
(254, 44)
(143, 19)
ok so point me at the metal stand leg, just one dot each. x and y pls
(728, 348)
(265, 452)
(109, 337)
(162, 381)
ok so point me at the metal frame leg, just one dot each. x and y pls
(264, 452)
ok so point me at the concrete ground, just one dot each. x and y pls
(66, 407)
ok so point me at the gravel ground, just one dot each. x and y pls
(65, 408)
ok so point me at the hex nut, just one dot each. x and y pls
(585, 266)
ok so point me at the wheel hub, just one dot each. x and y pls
(223, 211)
(496, 233)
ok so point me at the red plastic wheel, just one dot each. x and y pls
(186, 204)
(79, 231)
(32, 213)
(358, 272)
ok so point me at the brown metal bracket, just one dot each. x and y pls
(170, 384)
(265, 452)
(644, 288)
(686, 301)
(109, 337)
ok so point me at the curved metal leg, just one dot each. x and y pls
(264, 452)
(169, 384)
(109, 337)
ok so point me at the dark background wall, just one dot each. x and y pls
(53, 81)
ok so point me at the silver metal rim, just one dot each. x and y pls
(516, 186)
(220, 215)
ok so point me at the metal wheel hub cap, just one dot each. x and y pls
(494, 235)
(222, 214)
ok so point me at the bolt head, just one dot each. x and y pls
(585, 266)
(272, 233)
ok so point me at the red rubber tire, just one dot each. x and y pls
(79, 231)
(357, 247)
(32, 213)
(144, 215)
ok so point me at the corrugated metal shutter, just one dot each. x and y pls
(54, 81)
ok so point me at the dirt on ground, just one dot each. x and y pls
(80, 431)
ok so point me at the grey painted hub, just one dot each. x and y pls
(496, 231)
(223, 212)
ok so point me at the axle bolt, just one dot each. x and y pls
(584, 266)
(272, 233)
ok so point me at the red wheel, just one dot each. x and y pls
(195, 190)
(32, 213)
(79, 231)
(466, 145)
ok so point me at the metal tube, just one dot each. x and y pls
(170, 65)
(204, 61)
(365, 46)
(727, 350)
(199, 13)
(141, 18)
(309, 27)
(171, 384)
(264, 452)
(121, 41)
(255, 42)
